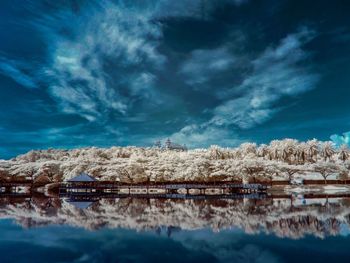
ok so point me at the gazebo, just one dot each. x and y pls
(83, 177)
(82, 183)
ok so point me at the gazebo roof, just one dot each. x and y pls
(83, 177)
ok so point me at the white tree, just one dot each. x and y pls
(326, 169)
(327, 150)
(253, 169)
(248, 148)
(343, 154)
(301, 153)
(312, 148)
(291, 170)
(139, 164)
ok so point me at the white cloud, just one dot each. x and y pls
(205, 135)
(104, 59)
(204, 64)
(240, 112)
(16, 71)
(84, 47)
(341, 139)
(190, 8)
(277, 73)
(141, 84)
(83, 81)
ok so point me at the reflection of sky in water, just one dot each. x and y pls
(344, 230)
(69, 244)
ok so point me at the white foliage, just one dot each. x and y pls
(281, 159)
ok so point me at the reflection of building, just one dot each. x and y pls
(169, 145)
(168, 230)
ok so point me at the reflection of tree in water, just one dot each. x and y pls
(165, 216)
(298, 224)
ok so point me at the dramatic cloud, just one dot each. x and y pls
(203, 65)
(277, 73)
(109, 36)
(205, 135)
(17, 71)
(340, 140)
(200, 72)
(190, 8)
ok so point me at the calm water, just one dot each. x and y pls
(41, 229)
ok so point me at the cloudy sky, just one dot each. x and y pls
(76, 73)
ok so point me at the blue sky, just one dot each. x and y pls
(80, 73)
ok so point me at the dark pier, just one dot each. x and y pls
(162, 190)
(12, 187)
(97, 197)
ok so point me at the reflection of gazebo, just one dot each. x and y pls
(80, 204)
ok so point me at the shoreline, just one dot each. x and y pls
(186, 188)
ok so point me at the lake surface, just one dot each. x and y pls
(286, 229)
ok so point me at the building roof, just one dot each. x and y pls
(176, 146)
(83, 177)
